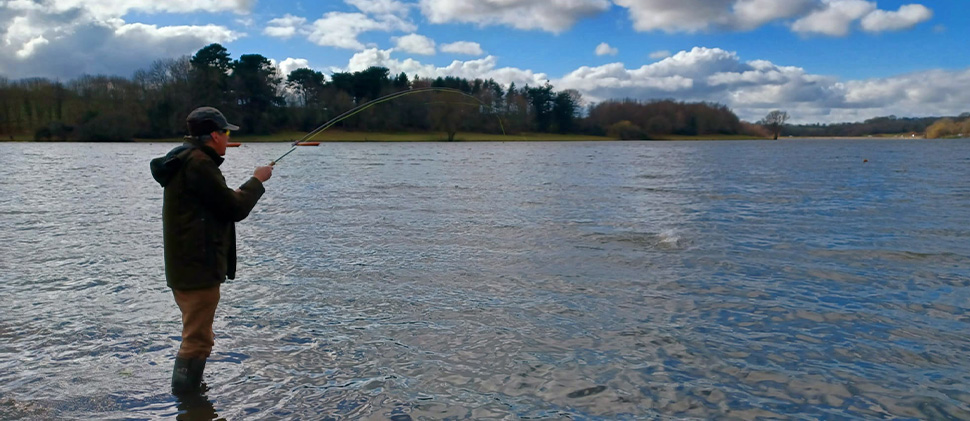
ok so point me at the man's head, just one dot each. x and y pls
(209, 122)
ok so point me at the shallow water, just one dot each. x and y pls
(621, 280)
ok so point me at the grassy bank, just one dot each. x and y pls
(16, 138)
(711, 137)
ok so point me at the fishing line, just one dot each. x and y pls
(371, 103)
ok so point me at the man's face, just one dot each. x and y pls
(220, 140)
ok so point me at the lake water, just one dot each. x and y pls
(621, 280)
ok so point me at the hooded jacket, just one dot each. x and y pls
(199, 212)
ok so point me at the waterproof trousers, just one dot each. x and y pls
(198, 308)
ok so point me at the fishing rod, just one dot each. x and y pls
(366, 105)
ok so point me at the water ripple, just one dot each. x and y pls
(640, 280)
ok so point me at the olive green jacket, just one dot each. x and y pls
(199, 213)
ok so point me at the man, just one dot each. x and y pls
(199, 213)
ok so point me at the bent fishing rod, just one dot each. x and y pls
(371, 103)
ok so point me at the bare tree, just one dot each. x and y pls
(774, 121)
(448, 116)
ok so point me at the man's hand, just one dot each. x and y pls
(263, 173)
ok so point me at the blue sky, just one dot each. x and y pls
(821, 60)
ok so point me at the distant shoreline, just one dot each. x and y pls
(345, 136)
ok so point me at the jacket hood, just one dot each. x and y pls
(164, 168)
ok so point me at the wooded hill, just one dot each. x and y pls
(250, 92)
(890, 125)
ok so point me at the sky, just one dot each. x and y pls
(821, 61)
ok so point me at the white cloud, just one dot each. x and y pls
(906, 17)
(23, 5)
(246, 21)
(826, 17)
(657, 55)
(696, 63)
(291, 64)
(751, 14)
(678, 74)
(380, 7)
(675, 16)
(152, 34)
(463, 47)
(284, 27)
(106, 9)
(41, 40)
(484, 68)
(547, 15)
(928, 93)
(340, 30)
(835, 19)
(702, 15)
(604, 49)
(415, 44)
(22, 29)
(614, 81)
(29, 46)
(754, 88)
(284, 32)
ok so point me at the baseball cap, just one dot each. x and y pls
(204, 120)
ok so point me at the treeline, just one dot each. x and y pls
(874, 126)
(631, 119)
(250, 91)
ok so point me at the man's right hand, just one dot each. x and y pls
(263, 173)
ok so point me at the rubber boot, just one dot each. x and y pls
(187, 375)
